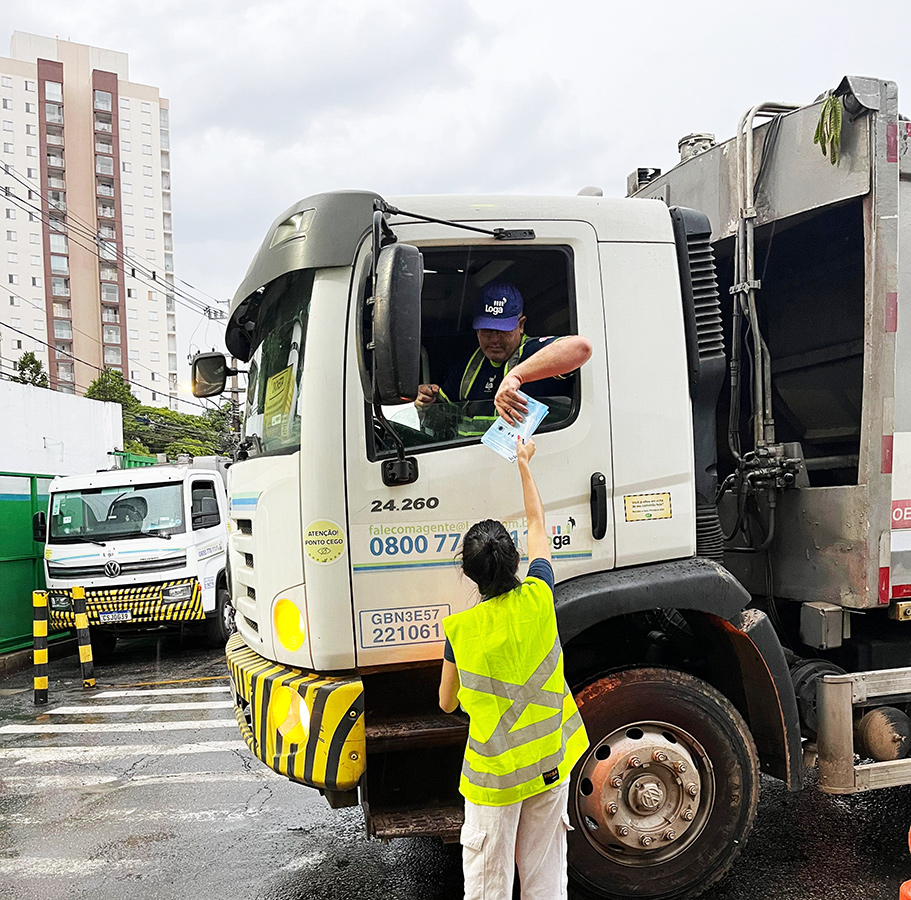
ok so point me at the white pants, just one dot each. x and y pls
(530, 834)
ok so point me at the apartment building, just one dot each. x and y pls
(86, 241)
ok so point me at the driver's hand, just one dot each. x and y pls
(508, 402)
(427, 394)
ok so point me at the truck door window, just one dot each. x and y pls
(203, 505)
(454, 278)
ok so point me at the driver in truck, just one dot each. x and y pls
(515, 775)
(507, 360)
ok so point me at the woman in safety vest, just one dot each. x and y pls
(504, 664)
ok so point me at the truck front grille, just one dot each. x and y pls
(151, 565)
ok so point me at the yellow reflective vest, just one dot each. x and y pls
(526, 733)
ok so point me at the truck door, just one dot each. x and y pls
(405, 540)
(207, 524)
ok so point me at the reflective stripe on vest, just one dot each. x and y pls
(507, 759)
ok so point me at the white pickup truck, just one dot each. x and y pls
(147, 545)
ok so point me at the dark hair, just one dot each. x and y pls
(490, 558)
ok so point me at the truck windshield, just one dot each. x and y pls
(272, 420)
(114, 513)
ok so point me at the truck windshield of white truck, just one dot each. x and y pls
(115, 513)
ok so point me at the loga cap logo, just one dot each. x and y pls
(499, 307)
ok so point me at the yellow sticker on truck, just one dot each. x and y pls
(646, 507)
(324, 541)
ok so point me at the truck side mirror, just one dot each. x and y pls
(210, 372)
(397, 323)
(39, 527)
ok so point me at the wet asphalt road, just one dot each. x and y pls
(122, 793)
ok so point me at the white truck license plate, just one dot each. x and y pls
(398, 627)
(116, 615)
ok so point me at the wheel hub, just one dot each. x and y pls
(644, 792)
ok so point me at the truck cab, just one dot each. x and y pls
(146, 544)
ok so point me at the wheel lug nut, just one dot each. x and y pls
(658, 756)
(616, 781)
(692, 790)
(688, 815)
(670, 834)
(645, 840)
(680, 767)
(612, 809)
(634, 762)
(623, 831)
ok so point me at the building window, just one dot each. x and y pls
(31, 173)
(15, 322)
(10, 213)
(17, 345)
(153, 335)
(108, 273)
(7, 103)
(103, 100)
(13, 301)
(38, 324)
(133, 334)
(8, 126)
(129, 231)
(124, 103)
(146, 128)
(12, 257)
(62, 311)
(53, 113)
(146, 148)
(154, 356)
(34, 238)
(8, 148)
(147, 170)
(134, 355)
(153, 315)
(31, 128)
(30, 85)
(146, 107)
(63, 330)
(128, 209)
(53, 90)
(107, 249)
(31, 108)
(60, 287)
(150, 255)
(11, 235)
(36, 281)
(112, 356)
(58, 243)
(150, 233)
(110, 334)
(126, 167)
(7, 81)
(149, 212)
(60, 265)
(148, 191)
(110, 314)
(110, 293)
(31, 151)
(132, 293)
(126, 187)
(104, 165)
(13, 278)
(126, 146)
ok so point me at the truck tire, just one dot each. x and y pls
(664, 798)
(220, 624)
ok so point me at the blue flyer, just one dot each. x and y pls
(501, 436)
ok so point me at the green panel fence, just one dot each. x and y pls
(21, 565)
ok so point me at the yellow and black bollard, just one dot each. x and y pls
(39, 637)
(83, 637)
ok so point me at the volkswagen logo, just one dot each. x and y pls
(112, 568)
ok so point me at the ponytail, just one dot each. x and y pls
(490, 558)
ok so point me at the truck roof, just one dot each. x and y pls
(115, 477)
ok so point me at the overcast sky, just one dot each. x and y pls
(273, 101)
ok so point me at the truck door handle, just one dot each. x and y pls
(599, 506)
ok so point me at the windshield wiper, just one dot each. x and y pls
(158, 534)
(87, 540)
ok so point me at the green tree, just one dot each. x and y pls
(110, 385)
(31, 371)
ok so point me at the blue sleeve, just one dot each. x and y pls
(448, 655)
(541, 568)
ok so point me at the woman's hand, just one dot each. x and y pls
(525, 450)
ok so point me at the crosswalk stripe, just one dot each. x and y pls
(37, 784)
(113, 708)
(118, 727)
(90, 755)
(156, 692)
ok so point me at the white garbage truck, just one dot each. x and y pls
(147, 545)
(727, 485)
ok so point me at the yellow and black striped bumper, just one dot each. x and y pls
(142, 600)
(304, 726)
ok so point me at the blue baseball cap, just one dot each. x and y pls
(499, 307)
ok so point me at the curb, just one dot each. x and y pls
(19, 660)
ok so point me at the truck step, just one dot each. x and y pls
(407, 732)
(440, 821)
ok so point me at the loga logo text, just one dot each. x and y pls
(496, 308)
(561, 534)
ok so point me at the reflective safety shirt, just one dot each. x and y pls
(526, 732)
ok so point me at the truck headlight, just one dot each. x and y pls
(177, 592)
(60, 604)
(289, 624)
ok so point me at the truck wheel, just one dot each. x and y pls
(665, 796)
(103, 644)
(220, 624)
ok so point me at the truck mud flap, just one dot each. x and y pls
(307, 727)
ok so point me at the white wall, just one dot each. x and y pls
(48, 433)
